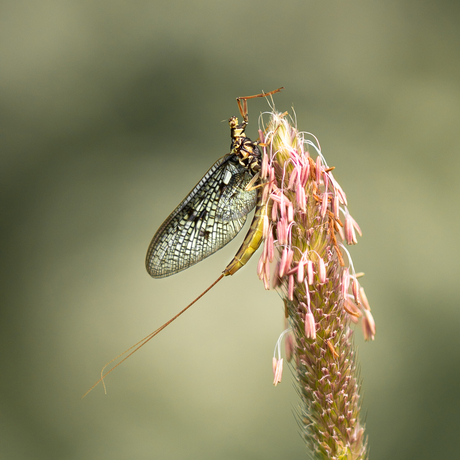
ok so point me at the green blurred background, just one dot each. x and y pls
(111, 111)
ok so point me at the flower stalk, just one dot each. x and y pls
(305, 259)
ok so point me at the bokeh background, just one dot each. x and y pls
(111, 111)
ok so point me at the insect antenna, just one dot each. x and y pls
(145, 340)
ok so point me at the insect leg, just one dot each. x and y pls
(250, 185)
(244, 106)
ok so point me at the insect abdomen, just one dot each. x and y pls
(251, 242)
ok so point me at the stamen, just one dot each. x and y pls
(282, 231)
(278, 372)
(355, 290)
(351, 308)
(300, 197)
(335, 206)
(301, 271)
(291, 287)
(364, 301)
(274, 210)
(323, 205)
(345, 281)
(266, 227)
(260, 266)
(310, 325)
(318, 169)
(368, 325)
(349, 230)
(310, 272)
(289, 346)
(269, 242)
(321, 271)
(292, 179)
(290, 212)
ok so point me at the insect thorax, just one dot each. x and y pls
(245, 149)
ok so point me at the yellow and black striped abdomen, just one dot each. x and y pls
(252, 240)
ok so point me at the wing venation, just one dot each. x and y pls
(209, 217)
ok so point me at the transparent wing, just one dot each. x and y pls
(207, 219)
(235, 202)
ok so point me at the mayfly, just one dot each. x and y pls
(211, 215)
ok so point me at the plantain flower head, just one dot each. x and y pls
(305, 259)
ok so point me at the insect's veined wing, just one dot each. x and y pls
(208, 218)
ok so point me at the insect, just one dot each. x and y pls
(209, 217)
(213, 213)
